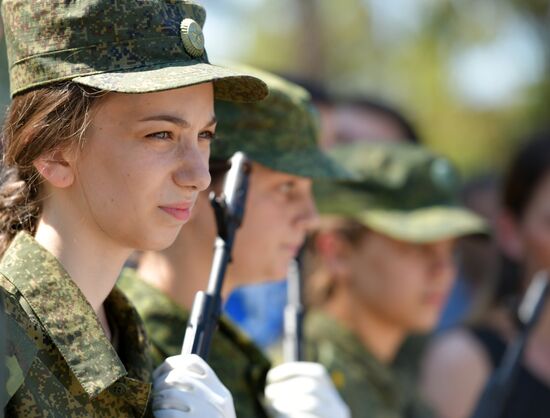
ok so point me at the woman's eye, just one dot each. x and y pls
(160, 135)
(286, 187)
(208, 135)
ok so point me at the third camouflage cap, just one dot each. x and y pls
(280, 132)
(400, 190)
(126, 46)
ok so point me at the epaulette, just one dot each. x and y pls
(20, 348)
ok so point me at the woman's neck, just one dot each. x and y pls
(92, 263)
(379, 336)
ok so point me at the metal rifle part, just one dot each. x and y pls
(293, 314)
(229, 212)
(497, 391)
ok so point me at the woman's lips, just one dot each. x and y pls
(180, 212)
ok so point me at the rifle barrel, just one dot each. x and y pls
(293, 315)
(229, 211)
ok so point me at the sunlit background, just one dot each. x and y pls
(472, 74)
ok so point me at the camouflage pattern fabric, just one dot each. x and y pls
(239, 364)
(60, 363)
(370, 388)
(401, 190)
(125, 45)
(280, 132)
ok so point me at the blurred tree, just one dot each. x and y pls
(350, 47)
(538, 13)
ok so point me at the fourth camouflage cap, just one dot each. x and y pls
(125, 46)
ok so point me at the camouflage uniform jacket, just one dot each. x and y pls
(59, 361)
(371, 389)
(239, 364)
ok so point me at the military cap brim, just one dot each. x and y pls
(312, 163)
(424, 225)
(229, 84)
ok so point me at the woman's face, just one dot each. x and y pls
(279, 212)
(534, 230)
(143, 163)
(401, 283)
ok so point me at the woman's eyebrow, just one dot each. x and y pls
(167, 118)
(212, 122)
(176, 120)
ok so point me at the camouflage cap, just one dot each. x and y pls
(126, 46)
(400, 190)
(279, 132)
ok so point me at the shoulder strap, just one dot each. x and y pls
(492, 342)
(20, 348)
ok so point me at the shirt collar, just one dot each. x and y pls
(246, 345)
(154, 305)
(322, 327)
(64, 313)
(158, 310)
(133, 341)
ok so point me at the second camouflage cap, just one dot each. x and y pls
(279, 132)
(400, 190)
(126, 46)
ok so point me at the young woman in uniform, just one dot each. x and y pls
(106, 147)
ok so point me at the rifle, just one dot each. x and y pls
(294, 314)
(493, 399)
(229, 211)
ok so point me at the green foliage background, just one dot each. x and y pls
(339, 44)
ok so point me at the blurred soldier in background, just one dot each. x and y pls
(343, 120)
(471, 352)
(380, 267)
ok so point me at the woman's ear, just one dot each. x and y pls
(56, 169)
(508, 235)
(334, 252)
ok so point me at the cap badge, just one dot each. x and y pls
(192, 37)
(442, 174)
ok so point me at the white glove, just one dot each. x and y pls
(185, 386)
(303, 390)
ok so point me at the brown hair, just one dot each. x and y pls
(37, 123)
(319, 284)
(527, 170)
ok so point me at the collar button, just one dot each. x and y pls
(119, 389)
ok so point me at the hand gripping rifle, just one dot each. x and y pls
(495, 395)
(293, 314)
(229, 211)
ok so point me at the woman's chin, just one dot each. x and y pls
(158, 242)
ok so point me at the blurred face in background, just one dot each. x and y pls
(349, 124)
(529, 241)
(279, 212)
(401, 283)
